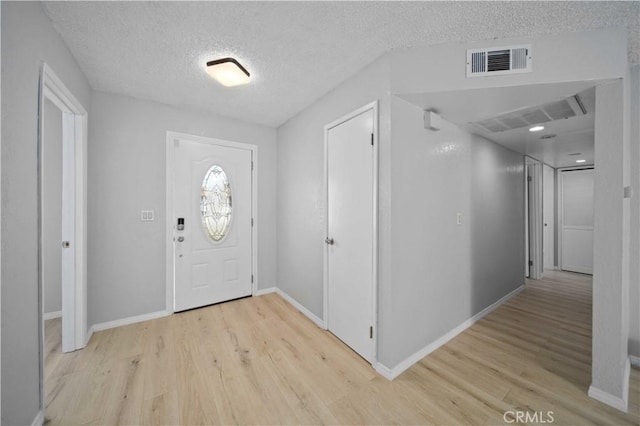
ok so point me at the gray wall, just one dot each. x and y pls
(610, 262)
(52, 208)
(634, 255)
(27, 39)
(126, 174)
(444, 273)
(301, 206)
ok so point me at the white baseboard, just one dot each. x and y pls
(392, 373)
(320, 323)
(126, 321)
(51, 315)
(634, 360)
(39, 420)
(265, 291)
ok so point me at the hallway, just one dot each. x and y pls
(258, 360)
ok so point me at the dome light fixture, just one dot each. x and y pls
(536, 128)
(228, 72)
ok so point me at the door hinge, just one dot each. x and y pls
(531, 263)
(371, 332)
(529, 178)
(371, 139)
(252, 166)
(252, 222)
(251, 279)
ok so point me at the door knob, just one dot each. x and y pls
(180, 239)
(329, 241)
(66, 244)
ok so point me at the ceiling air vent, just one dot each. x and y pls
(526, 117)
(498, 61)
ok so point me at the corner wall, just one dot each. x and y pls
(126, 174)
(28, 38)
(444, 273)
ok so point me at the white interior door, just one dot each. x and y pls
(350, 232)
(212, 223)
(577, 221)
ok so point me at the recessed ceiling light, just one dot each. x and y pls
(228, 72)
(581, 161)
(536, 128)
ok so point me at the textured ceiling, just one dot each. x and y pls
(296, 51)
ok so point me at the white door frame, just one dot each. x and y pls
(74, 140)
(535, 218)
(325, 307)
(169, 222)
(561, 204)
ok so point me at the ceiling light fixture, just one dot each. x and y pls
(228, 72)
(581, 161)
(536, 128)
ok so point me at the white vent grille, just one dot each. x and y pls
(497, 61)
(558, 110)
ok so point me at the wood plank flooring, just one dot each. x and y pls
(260, 361)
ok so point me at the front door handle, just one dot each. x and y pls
(329, 241)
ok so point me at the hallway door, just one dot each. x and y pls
(350, 231)
(577, 220)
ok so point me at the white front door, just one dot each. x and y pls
(577, 220)
(212, 224)
(350, 232)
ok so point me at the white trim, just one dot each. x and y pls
(535, 220)
(325, 279)
(39, 420)
(169, 225)
(392, 373)
(621, 404)
(75, 310)
(265, 291)
(74, 140)
(634, 360)
(302, 309)
(52, 315)
(129, 320)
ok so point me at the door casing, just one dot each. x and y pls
(74, 148)
(170, 225)
(533, 190)
(325, 308)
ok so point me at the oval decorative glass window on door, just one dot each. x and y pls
(215, 203)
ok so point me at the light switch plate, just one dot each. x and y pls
(147, 215)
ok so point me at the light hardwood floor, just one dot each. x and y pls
(259, 360)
